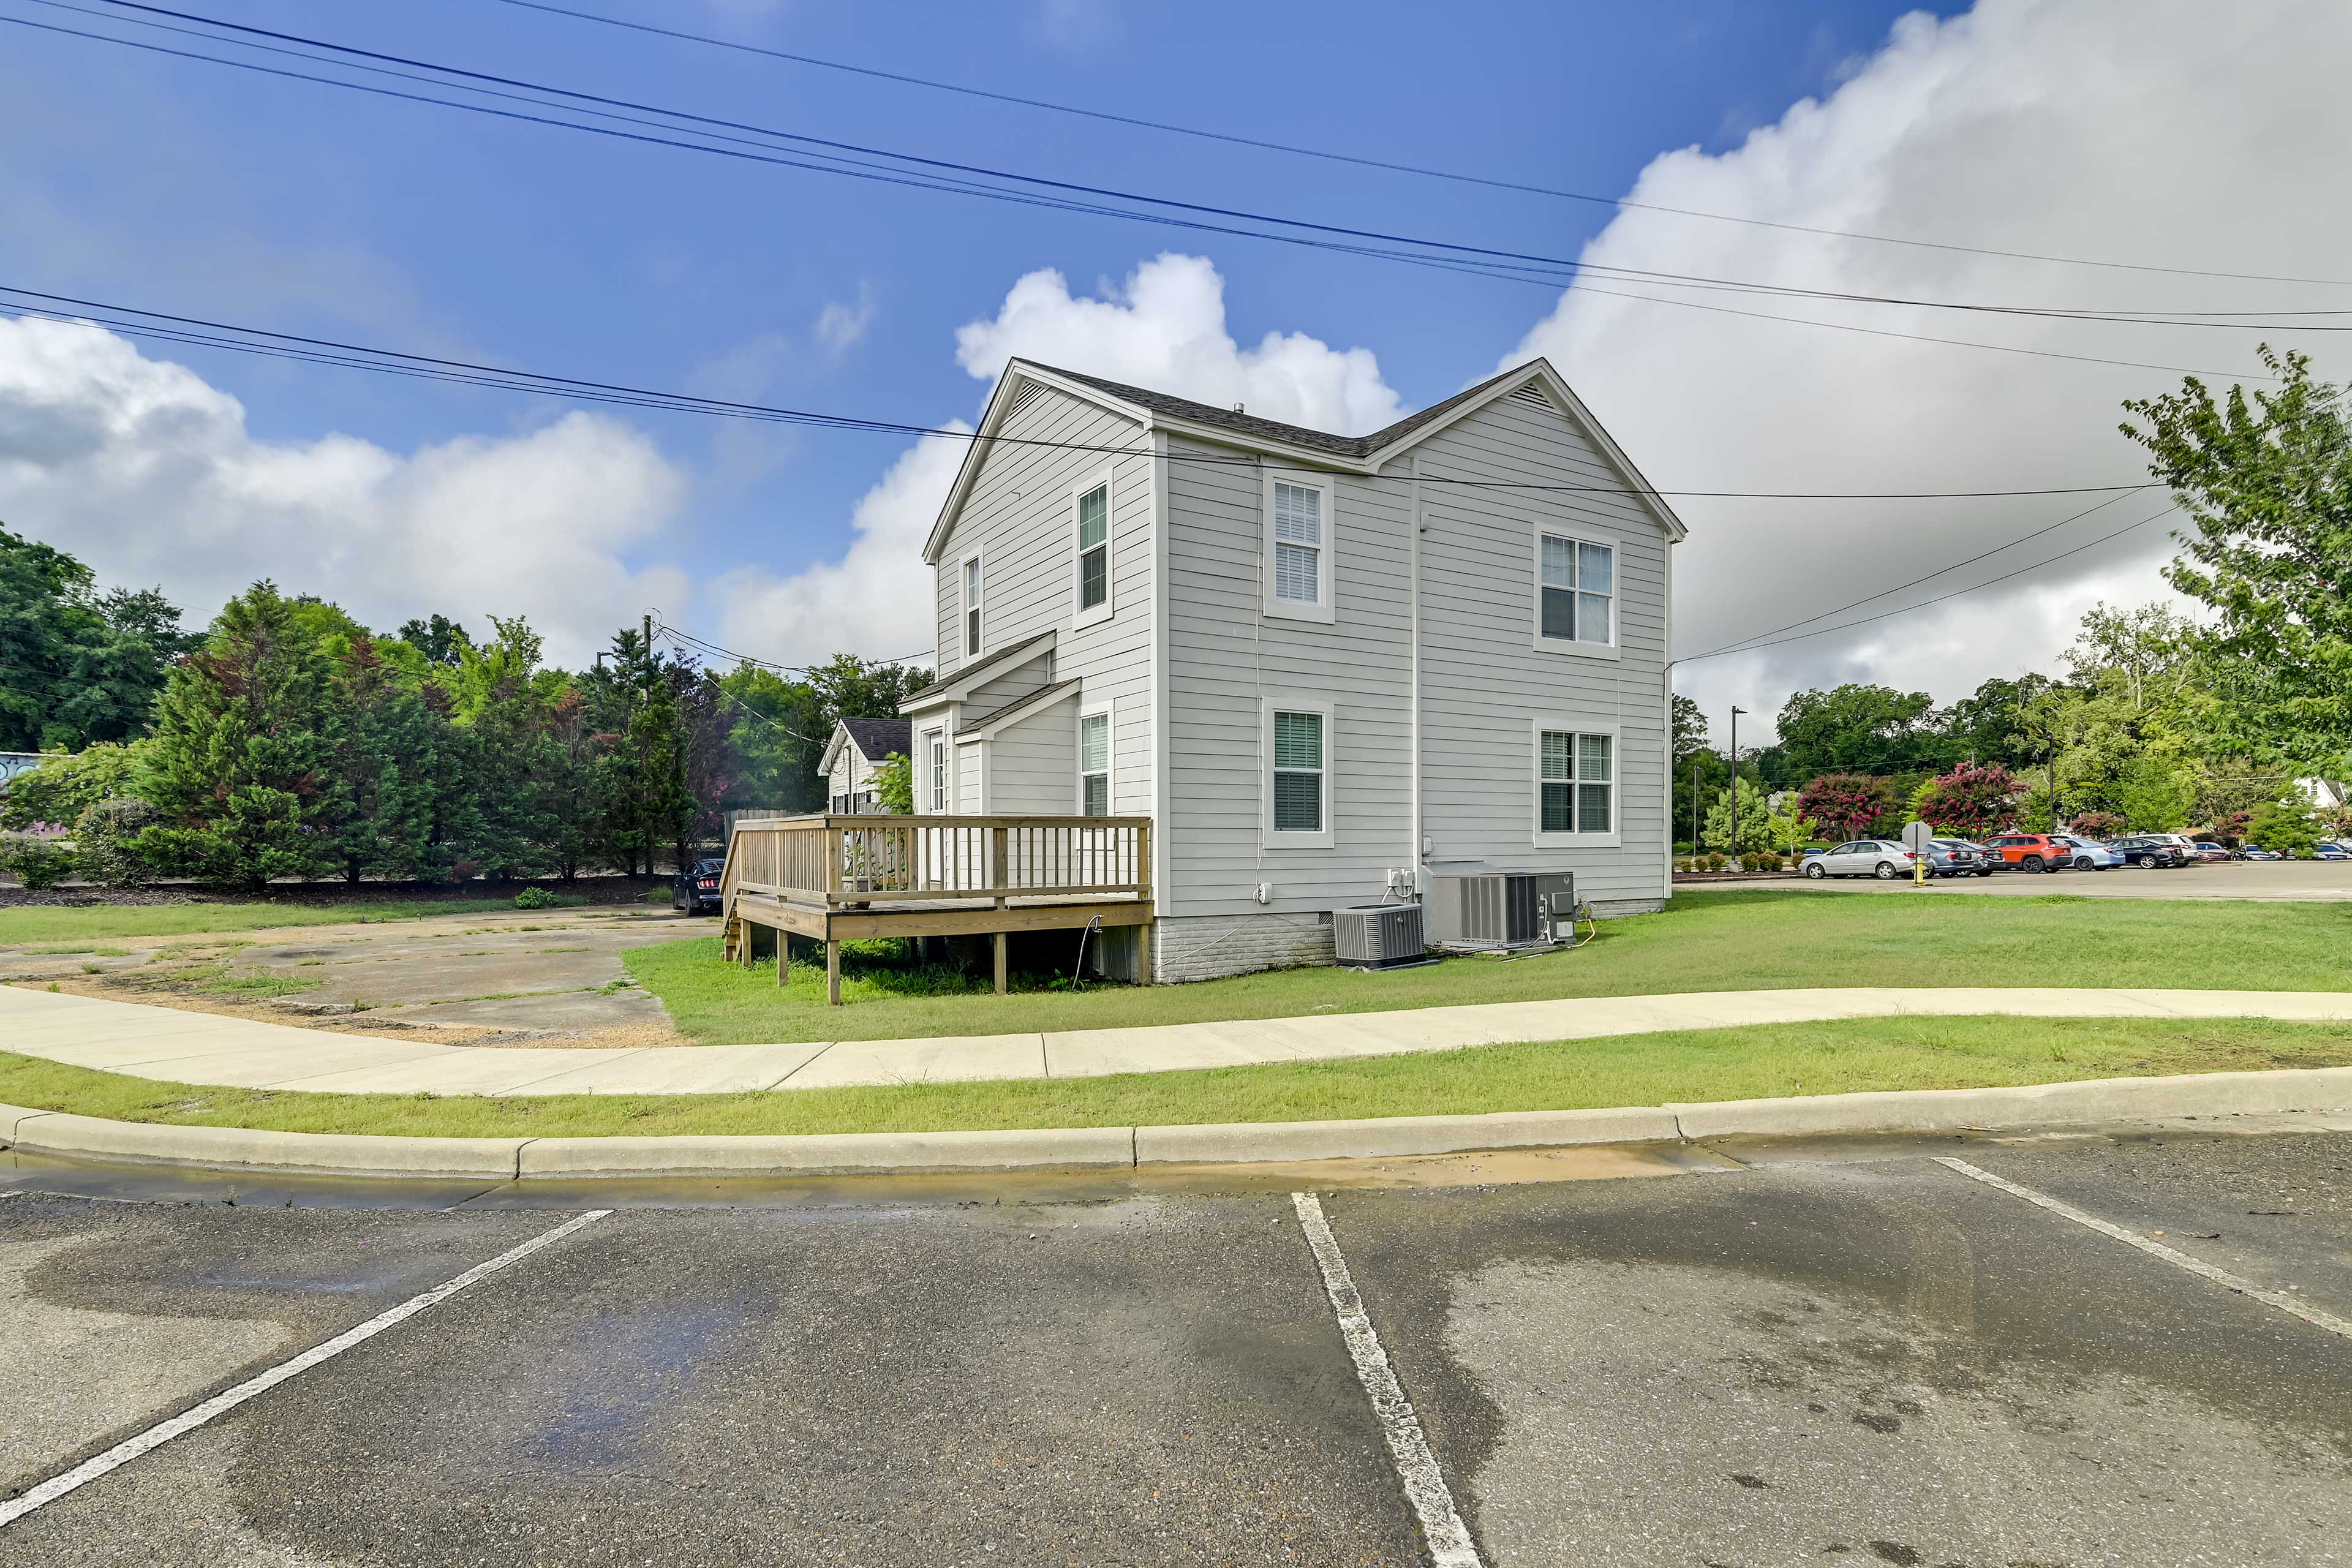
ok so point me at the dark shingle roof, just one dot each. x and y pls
(1274, 429)
(878, 737)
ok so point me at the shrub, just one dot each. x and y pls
(1968, 801)
(37, 862)
(2099, 825)
(1845, 804)
(107, 837)
(1714, 862)
(537, 899)
(1682, 864)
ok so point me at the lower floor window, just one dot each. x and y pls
(1297, 772)
(1094, 765)
(1579, 782)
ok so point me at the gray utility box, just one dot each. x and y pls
(1378, 936)
(1498, 909)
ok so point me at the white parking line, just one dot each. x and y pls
(163, 1432)
(1424, 1484)
(2154, 1248)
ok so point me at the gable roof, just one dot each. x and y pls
(1361, 454)
(950, 688)
(1244, 423)
(874, 738)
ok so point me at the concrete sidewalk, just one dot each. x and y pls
(205, 1048)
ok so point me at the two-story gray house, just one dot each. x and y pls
(1319, 664)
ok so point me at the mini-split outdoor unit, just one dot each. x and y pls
(1378, 936)
(1499, 909)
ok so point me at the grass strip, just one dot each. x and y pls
(1756, 1062)
(1718, 939)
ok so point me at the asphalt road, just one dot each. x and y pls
(1744, 1354)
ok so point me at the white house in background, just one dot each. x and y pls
(857, 747)
(1312, 660)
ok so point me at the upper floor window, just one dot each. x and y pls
(1578, 590)
(1298, 546)
(1093, 548)
(971, 606)
(1094, 765)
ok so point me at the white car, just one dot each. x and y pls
(1876, 857)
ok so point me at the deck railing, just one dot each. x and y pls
(837, 859)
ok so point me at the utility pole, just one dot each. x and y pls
(1735, 712)
(1696, 843)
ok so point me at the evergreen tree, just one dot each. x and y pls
(242, 769)
(384, 765)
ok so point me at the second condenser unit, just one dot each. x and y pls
(1498, 909)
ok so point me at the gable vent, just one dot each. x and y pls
(1031, 391)
(1533, 396)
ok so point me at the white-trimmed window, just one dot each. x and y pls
(1094, 765)
(1576, 592)
(1300, 758)
(1299, 536)
(938, 762)
(1576, 784)
(971, 606)
(1092, 508)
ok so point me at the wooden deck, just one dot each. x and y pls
(837, 878)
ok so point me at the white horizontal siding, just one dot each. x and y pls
(1225, 660)
(1032, 764)
(1019, 514)
(1484, 684)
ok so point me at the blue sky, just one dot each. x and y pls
(308, 209)
(2163, 131)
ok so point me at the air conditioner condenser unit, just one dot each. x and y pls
(1488, 910)
(1379, 936)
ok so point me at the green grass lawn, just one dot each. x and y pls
(58, 925)
(1725, 940)
(1635, 1070)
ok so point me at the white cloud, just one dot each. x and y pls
(2193, 136)
(143, 469)
(1165, 329)
(839, 326)
(875, 599)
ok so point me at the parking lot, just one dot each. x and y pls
(1733, 1354)
(2282, 881)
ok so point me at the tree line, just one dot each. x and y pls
(2155, 721)
(287, 739)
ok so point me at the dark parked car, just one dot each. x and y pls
(2147, 852)
(696, 890)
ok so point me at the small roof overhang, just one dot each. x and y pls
(959, 685)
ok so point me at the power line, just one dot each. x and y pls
(1421, 170)
(1739, 645)
(1492, 260)
(1957, 592)
(205, 332)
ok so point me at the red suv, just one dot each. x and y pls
(2029, 851)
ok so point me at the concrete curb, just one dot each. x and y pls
(2098, 1101)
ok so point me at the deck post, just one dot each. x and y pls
(783, 957)
(1143, 953)
(832, 974)
(999, 943)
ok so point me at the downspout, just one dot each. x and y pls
(1414, 848)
